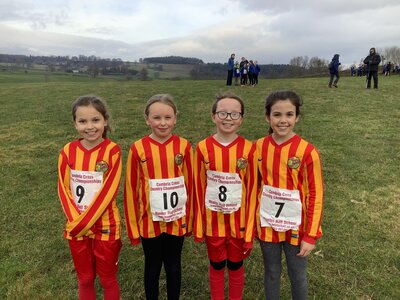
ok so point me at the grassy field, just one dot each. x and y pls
(356, 131)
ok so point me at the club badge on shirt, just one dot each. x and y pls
(101, 166)
(241, 163)
(179, 159)
(293, 162)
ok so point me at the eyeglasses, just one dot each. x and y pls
(223, 115)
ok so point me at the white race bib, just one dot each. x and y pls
(280, 208)
(168, 199)
(84, 187)
(223, 192)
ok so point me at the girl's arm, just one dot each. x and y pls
(108, 192)
(189, 183)
(315, 197)
(131, 197)
(200, 187)
(71, 211)
(251, 197)
(305, 249)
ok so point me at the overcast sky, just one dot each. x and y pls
(268, 31)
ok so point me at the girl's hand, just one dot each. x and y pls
(305, 249)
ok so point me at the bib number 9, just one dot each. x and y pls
(80, 192)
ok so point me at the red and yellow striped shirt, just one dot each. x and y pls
(148, 159)
(210, 155)
(293, 165)
(101, 219)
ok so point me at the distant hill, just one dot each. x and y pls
(173, 60)
(150, 68)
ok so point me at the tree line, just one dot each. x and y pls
(298, 66)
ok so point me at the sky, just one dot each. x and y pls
(271, 32)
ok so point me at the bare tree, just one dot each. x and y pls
(299, 61)
(392, 54)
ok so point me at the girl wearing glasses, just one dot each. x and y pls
(223, 190)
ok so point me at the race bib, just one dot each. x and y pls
(223, 192)
(84, 187)
(280, 208)
(167, 199)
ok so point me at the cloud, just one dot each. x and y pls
(269, 31)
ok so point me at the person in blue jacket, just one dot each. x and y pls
(252, 72)
(334, 71)
(236, 73)
(231, 63)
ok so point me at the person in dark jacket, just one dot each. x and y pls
(334, 71)
(372, 61)
(236, 73)
(258, 70)
(231, 64)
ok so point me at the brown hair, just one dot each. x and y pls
(162, 98)
(225, 95)
(282, 95)
(99, 104)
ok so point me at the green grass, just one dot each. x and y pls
(356, 131)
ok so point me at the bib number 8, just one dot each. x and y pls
(173, 200)
(222, 193)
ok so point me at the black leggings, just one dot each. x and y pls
(165, 249)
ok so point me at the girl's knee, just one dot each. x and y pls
(233, 266)
(218, 265)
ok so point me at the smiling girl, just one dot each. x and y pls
(223, 193)
(158, 196)
(290, 199)
(89, 173)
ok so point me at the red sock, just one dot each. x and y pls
(87, 290)
(236, 283)
(217, 283)
(110, 288)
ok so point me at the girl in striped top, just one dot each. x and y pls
(158, 196)
(290, 197)
(89, 173)
(225, 197)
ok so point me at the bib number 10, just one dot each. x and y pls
(173, 200)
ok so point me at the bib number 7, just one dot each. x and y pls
(281, 205)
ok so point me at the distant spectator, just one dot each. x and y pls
(334, 71)
(384, 69)
(243, 72)
(252, 71)
(353, 70)
(258, 70)
(372, 61)
(388, 68)
(236, 73)
(231, 63)
(360, 70)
